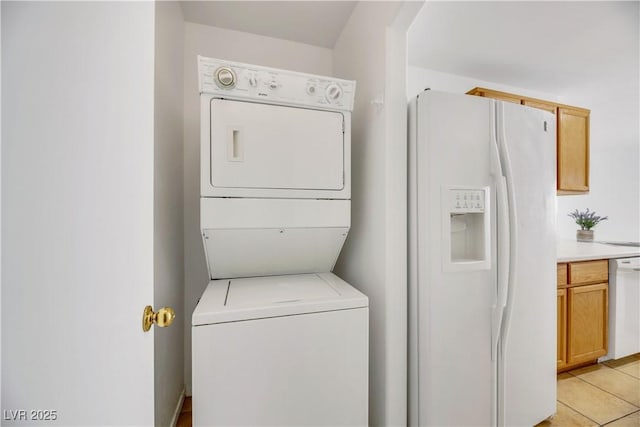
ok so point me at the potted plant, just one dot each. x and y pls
(586, 220)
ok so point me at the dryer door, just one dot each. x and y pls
(258, 146)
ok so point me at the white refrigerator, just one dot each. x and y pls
(482, 262)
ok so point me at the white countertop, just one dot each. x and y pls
(571, 250)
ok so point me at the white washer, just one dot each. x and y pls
(282, 351)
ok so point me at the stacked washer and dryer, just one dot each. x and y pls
(277, 338)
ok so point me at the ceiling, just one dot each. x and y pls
(548, 46)
(545, 46)
(317, 23)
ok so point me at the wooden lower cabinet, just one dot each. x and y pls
(587, 323)
(562, 328)
(582, 313)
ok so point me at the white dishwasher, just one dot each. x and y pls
(624, 307)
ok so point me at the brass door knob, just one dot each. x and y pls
(163, 317)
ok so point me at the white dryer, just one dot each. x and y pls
(277, 338)
(275, 160)
(270, 133)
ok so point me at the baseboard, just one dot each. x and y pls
(176, 412)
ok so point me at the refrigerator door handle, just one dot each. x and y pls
(509, 293)
(512, 222)
(503, 239)
(496, 164)
(504, 253)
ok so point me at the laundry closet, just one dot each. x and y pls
(277, 339)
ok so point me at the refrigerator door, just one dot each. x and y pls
(527, 365)
(452, 283)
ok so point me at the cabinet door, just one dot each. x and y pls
(573, 150)
(587, 323)
(562, 328)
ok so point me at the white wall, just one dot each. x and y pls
(372, 51)
(77, 209)
(168, 257)
(0, 199)
(235, 46)
(421, 78)
(614, 158)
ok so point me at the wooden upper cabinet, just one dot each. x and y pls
(546, 106)
(495, 94)
(573, 150)
(572, 138)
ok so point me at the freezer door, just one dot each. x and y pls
(258, 146)
(527, 366)
(451, 291)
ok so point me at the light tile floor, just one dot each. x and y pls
(604, 394)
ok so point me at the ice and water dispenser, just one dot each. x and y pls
(466, 229)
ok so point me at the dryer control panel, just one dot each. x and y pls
(270, 85)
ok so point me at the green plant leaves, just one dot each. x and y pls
(586, 220)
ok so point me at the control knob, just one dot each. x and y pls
(333, 92)
(225, 77)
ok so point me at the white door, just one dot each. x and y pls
(77, 213)
(275, 147)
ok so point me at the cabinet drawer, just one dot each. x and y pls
(562, 275)
(589, 271)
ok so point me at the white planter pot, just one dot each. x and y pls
(584, 235)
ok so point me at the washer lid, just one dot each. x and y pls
(230, 300)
